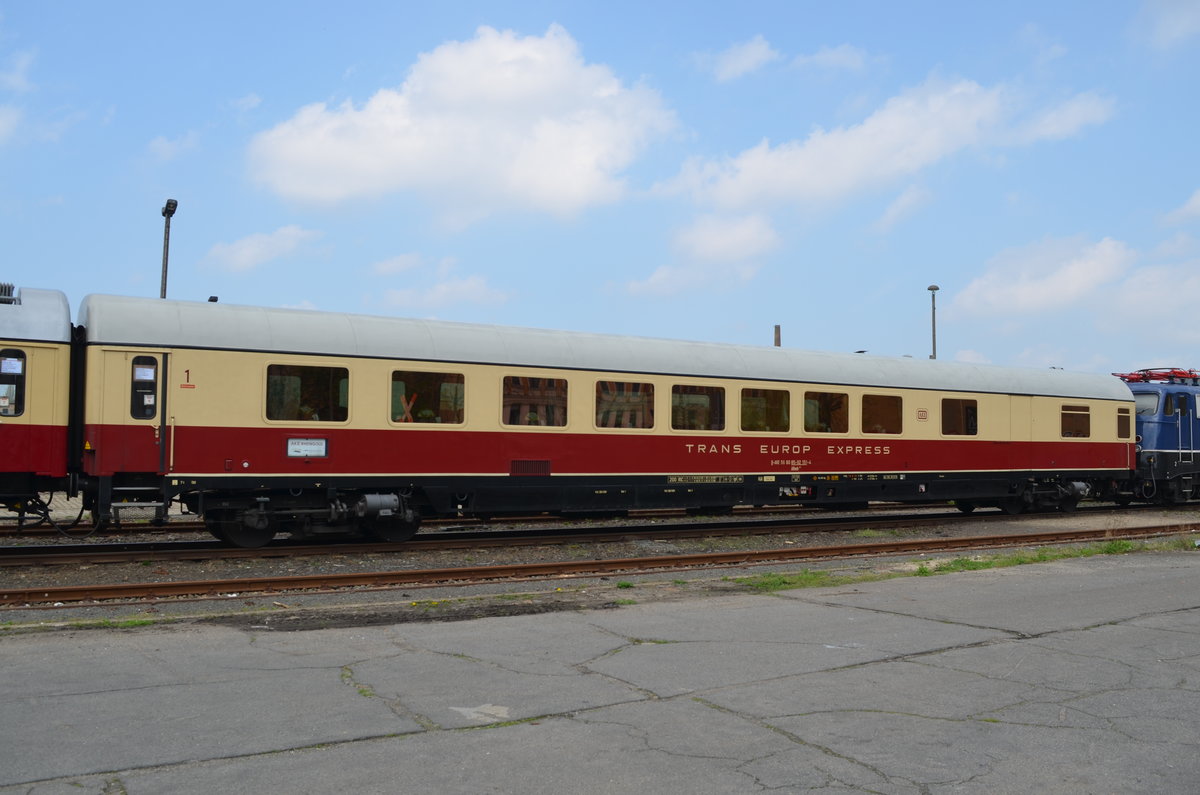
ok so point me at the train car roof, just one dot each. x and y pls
(36, 315)
(184, 324)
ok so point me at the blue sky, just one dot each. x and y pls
(684, 170)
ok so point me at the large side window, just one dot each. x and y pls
(766, 410)
(427, 397)
(620, 404)
(697, 408)
(1076, 422)
(12, 382)
(144, 393)
(826, 412)
(535, 401)
(960, 417)
(882, 414)
(300, 393)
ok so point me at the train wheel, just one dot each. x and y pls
(249, 537)
(964, 506)
(1012, 506)
(393, 529)
(1068, 504)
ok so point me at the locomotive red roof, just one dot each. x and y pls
(1170, 375)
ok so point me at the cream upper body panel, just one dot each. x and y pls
(183, 324)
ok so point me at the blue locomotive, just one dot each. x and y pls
(1168, 433)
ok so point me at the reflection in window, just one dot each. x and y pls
(697, 408)
(1076, 422)
(144, 392)
(621, 404)
(12, 382)
(882, 414)
(1147, 403)
(299, 393)
(960, 417)
(765, 410)
(427, 397)
(535, 401)
(826, 412)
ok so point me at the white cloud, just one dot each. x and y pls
(910, 132)
(399, 264)
(912, 199)
(1171, 289)
(675, 279)
(1190, 211)
(714, 250)
(843, 56)
(246, 103)
(971, 357)
(743, 58)
(469, 290)
(258, 249)
(1168, 23)
(716, 239)
(15, 75)
(10, 117)
(496, 122)
(1067, 119)
(167, 149)
(1044, 277)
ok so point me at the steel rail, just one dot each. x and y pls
(473, 539)
(516, 572)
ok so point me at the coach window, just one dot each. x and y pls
(697, 408)
(882, 414)
(1124, 424)
(1076, 422)
(621, 404)
(535, 401)
(765, 410)
(300, 393)
(144, 393)
(826, 412)
(427, 397)
(960, 417)
(12, 382)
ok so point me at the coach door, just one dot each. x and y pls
(145, 434)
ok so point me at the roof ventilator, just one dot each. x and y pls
(8, 294)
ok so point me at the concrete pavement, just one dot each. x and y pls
(1076, 676)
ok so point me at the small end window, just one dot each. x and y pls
(12, 382)
(1124, 424)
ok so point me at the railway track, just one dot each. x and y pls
(465, 575)
(180, 524)
(461, 538)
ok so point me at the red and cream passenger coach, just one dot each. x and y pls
(268, 420)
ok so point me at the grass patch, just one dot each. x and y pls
(815, 579)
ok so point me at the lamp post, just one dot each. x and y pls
(168, 210)
(933, 288)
